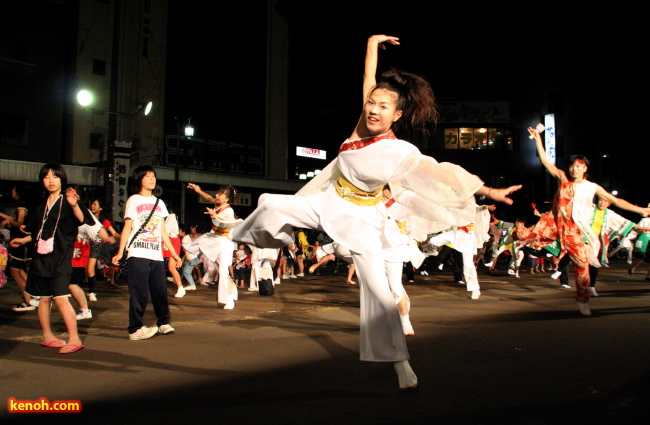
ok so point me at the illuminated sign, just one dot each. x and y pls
(549, 138)
(311, 153)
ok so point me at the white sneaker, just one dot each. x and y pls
(293, 276)
(277, 281)
(511, 272)
(285, 276)
(410, 281)
(165, 329)
(424, 273)
(35, 302)
(180, 293)
(488, 264)
(84, 314)
(405, 375)
(565, 286)
(440, 266)
(253, 289)
(584, 309)
(556, 274)
(229, 305)
(190, 288)
(143, 333)
(476, 293)
(300, 275)
(92, 297)
(461, 282)
(170, 279)
(593, 292)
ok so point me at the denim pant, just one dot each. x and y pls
(188, 266)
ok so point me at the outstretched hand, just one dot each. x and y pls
(535, 133)
(381, 39)
(71, 196)
(501, 195)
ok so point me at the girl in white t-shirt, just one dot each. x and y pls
(145, 266)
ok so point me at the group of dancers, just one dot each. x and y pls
(368, 199)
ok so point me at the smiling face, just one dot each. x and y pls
(577, 170)
(380, 111)
(95, 208)
(603, 203)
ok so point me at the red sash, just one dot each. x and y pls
(352, 145)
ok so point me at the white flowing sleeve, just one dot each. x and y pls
(441, 193)
(618, 225)
(227, 219)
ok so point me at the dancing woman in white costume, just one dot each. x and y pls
(344, 200)
(217, 246)
(466, 240)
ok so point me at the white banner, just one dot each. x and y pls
(121, 171)
(549, 138)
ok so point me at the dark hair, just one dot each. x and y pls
(186, 227)
(102, 206)
(57, 170)
(415, 99)
(137, 176)
(229, 191)
(580, 157)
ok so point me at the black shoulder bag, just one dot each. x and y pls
(124, 258)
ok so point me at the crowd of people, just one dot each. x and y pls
(381, 208)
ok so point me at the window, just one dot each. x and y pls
(14, 129)
(478, 138)
(99, 67)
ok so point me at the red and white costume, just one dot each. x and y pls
(218, 248)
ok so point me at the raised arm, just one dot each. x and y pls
(370, 70)
(201, 193)
(541, 152)
(621, 203)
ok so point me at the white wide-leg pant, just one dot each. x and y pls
(270, 226)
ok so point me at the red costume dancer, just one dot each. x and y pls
(569, 220)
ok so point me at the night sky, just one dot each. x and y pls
(217, 61)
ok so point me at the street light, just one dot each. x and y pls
(189, 130)
(85, 98)
(189, 133)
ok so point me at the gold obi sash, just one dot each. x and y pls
(221, 231)
(351, 193)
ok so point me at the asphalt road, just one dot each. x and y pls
(521, 354)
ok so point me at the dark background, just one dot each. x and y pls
(217, 60)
